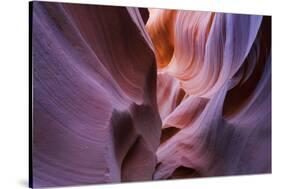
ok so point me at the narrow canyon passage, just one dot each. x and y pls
(125, 94)
(213, 93)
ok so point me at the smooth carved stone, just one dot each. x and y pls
(134, 94)
(95, 111)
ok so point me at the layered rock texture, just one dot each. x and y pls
(214, 93)
(133, 94)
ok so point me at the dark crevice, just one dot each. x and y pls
(144, 14)
(180, 96)
(167, 133)
(235, 99)
(184, 172)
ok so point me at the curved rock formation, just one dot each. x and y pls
(94, 81)
(127, 94)
(214, 93)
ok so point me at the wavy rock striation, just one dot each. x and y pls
(127, 94)
(214, 93)
(95, 111)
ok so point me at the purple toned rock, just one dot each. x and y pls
(94, 88)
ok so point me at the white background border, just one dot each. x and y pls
(14, 92)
